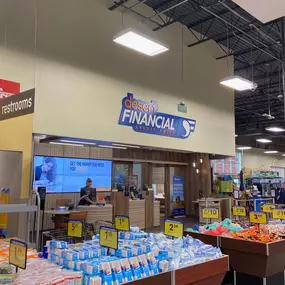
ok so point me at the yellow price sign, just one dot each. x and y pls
(278, 214)
(267, 208)
(210, 213)
(18, 253)
(257, 218)
(74, 228)
(122, 223)
(108, 237)
(173, 228)
(239, 211)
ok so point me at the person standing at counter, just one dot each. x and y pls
(87, 194)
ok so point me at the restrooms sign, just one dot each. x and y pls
(144, 117)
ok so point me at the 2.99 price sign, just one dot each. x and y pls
(278, 214)
(108, 237)
(173, 228)
(239, 211)
(257, 218)
(210, 213)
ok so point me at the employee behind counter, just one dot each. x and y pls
(87, 194)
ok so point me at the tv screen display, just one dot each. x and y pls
(60, 174)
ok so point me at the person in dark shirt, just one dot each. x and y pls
(87, 194)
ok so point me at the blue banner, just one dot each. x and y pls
(178, 206)
(144, 117)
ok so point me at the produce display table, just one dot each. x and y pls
(207, 239)
(255, 263)
(208, 273)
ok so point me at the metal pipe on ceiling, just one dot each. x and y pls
(135, 5)
(233, 26)
(269, 54)
(166, 10)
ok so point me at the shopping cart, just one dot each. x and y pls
(100, 223)
(62, 234)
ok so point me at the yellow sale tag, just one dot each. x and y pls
(122, 223)
(278, 214)
(173, 228)
(18, 253)
(210, 213)
(239, 211)
(257, 218)
(108, 237)
(74, 228)
(267, 208)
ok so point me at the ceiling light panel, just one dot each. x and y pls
(275, 129)
(238, 83)
(244, 147)
(271, 151)
(264, 141)
(139, 42)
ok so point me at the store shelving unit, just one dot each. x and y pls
(26, 208)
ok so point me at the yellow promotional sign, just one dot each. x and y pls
(74, 228)
(108, 237)
(278, 214)
(257, 218)
(267, 208)
(18, 253)
(4, 198)
(173, 228)
(210, 213)
(122, 223)
(239, 211)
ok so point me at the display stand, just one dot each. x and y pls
(207, 273)
(207, 239)
(255, 263)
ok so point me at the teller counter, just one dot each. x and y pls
(142, 213)
(95, 213)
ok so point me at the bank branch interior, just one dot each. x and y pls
(142, 142)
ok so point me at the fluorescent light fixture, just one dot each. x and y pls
(244, 147)
(110, 146)
(271, 151)
(125, 145)
(236, 136)
(238, 83)
(77, 142)
(197, 171)
(139, 42)
(275, 129)
(283, 154)
(264, 140)
(201, 160)
(61, 143)
(194, 164)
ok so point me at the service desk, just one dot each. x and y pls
(96, 213)
(142, 213)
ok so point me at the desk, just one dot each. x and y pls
(60, 217)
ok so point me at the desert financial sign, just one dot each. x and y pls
(144, 117)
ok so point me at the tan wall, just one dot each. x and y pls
(81, 76)
(16, 134)
(256, 159)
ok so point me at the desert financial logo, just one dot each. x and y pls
(144, 117)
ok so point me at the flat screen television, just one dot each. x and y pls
(61, 174)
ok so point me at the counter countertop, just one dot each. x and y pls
(58, 212)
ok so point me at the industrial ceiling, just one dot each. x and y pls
(257, 49)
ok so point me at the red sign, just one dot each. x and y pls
(8, 88)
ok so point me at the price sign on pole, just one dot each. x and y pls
(108, 237)
(278, 214)
(173, 228)
(239, 211)
(122, 223)
(257, 218)
(267, 208)
(210, 213)
(74, 228)
(18, 253)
